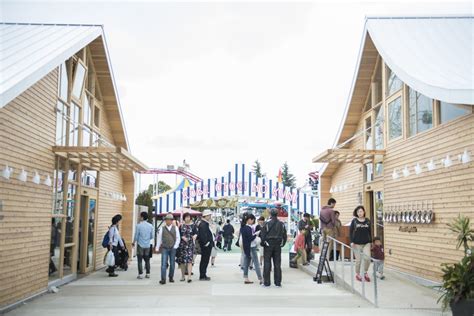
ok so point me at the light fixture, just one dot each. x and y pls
(36, 178)
(345, 186)
(431, 165)
(23, 175)
(447, 162)
(7, 172)
(406, 172)
(465, 158)
(331, 190)
(395, 175)
(124, 198)
(47, 181)
(418, 169)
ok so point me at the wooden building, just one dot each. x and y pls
(406, 143)
(65, 166)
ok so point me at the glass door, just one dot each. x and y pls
(378, 220)
(87, 232)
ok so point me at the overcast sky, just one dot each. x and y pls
(221, 83)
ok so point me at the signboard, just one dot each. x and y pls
(323, 264)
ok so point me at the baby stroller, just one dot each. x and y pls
(121, 260)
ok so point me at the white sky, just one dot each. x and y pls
(218, 83)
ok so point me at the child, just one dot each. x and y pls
(300, 247)
(377, 253)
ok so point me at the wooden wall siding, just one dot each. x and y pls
(110, 181)
(127, 211)
(348, 173)
(451, 189)
(27, 132)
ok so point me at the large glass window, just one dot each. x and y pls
(378, 128)
(59, 178)
(61, 124)
(78, 83)
(420, 112)
(450, 111)
(54, 249)
(369, 172)
(89, 178)
(393, 83)
(74, 126)
(63, 82)
(377, 87)
(87, 111)
(368, 133)
(395, 121)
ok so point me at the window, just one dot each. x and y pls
(368, 133)
(96, 116)
(74, 126)
(450, 111)
(377, 86)
(378, 169)
(95, 139)
(89, 178)
(420, 112)
(393, 83)
(369, 172)
(87, 112)
(61, 124)
(59, 178)
(78, 83)
(378, 128)
(86, 136)
(63, 82)
(395, 118)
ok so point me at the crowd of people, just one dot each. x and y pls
(179, 242)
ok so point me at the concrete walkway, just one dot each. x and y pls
(226, 294)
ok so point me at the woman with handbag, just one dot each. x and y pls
(114, 242)
(249, 244)
(361, 239)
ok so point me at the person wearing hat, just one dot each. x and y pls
(206, 242)
(273, 238)
(167, 242)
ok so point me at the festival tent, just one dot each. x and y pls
(215, 203)
(182, 186)
(181, 211)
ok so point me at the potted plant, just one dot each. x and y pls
(458, 279)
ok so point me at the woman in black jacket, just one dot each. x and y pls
(361, 239)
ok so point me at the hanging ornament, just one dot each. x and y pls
(6, 173)
(23, 176)
(36, 178)
(47, 181)
(418, 169)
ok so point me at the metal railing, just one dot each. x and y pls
(340, 266)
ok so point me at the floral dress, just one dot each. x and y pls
(185, 250)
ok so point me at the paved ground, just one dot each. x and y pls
(226, 294)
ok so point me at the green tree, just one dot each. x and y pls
(145, 197)
(257, 169)
(288, 178)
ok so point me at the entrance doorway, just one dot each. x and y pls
(374, 208)
(87, 230)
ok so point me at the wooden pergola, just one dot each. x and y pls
(348, 155)
(101, 158)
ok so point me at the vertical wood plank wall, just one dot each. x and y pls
(27, 133)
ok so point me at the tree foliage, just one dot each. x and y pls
(288, 178)
(145, 197)
(257, 169)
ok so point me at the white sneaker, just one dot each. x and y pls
(147, 276)
(140, 276)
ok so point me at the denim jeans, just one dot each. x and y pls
(253, 258)
(167, 255)
(143, 253)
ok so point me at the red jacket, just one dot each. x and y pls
(377, 252)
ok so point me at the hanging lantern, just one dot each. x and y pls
(465, 158)
(406, 172)
(23, 176)
(418, 169)
(431, 165)
(395, 175)
(36, 178)
(447, 162)
(6, 173)
(47, 181)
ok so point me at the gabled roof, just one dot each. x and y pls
(28, 52)
(433, 55)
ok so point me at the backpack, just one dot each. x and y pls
(106, 240)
